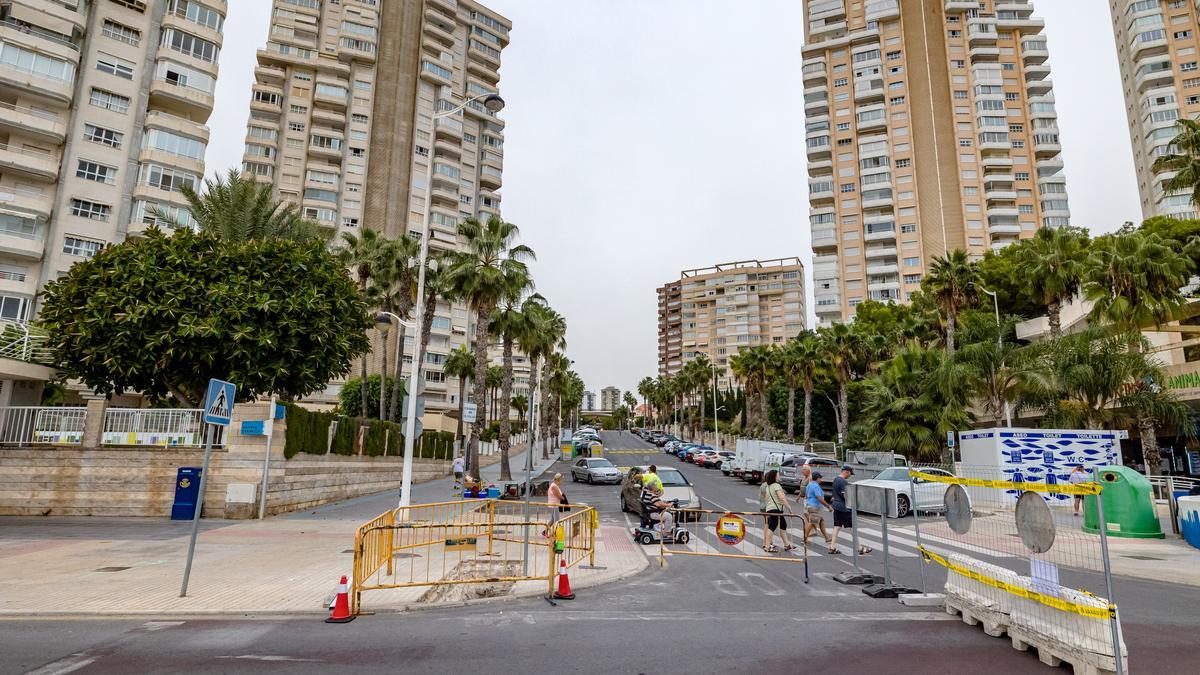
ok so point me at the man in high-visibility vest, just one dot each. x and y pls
(651, 478)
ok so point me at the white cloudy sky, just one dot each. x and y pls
(649, 136)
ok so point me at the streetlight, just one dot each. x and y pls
(716, 429)
(493, 103)
(385, 320)
(999, 346)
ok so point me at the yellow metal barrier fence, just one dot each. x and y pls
(471, 541)
(736, 534)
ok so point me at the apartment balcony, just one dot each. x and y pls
(820, 166)
(829, 301)
(34, 164)
(959, 6)
(1046, 145)
(1025, 24)
(1036, 72)
(329, 116)
(1002, 212)
(820, 191)
(869, 90)
(1000, 194)
(41, 87)
(877, 252)
(31, 36)
(23, 238)
(879, 202)
(996, 162)
(437, 74)
(448, 6)
(270, 75)
(438, 27)
(329, 152)
(1141, 49)
(1034, 51)
(878, 123)
(483, 69)
(31, 202)
(330, 100)
(981, 31)
(268, 107)
(879, 10)
(815, 71)
(448, 127)
(827, 29)
(997, 179)
(1039, 87)
(824, 237)
(1004, 229)
(816, 102)
(180, 100)
(885, 267)
(984, 53)
(880, 234)
(41, 124)
(891, 284)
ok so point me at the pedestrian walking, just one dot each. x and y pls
(772, 500)
(459, 467)
(814, 502)
(843, 517)
(1078, 475)
(805, 477)
(557, 500)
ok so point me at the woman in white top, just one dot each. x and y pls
(773, 500)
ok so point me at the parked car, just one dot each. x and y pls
(671, 447)
(675, 486)
(716, 460)
(595, 470)
(705, 458)
(689, 455)
(790, 475)
(930, 496)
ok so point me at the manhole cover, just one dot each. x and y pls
(1142, 557)
(112, 569)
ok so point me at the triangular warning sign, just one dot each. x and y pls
(220, 405)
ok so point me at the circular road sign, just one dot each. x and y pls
(731, 529)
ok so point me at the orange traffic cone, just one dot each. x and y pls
(341, 606)
(564, 583)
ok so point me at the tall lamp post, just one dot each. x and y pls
(999, 346)
(494, 103)
(383, 318)
(716, 429)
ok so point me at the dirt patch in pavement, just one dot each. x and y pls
(474, 569)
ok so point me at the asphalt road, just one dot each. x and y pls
(698, 615)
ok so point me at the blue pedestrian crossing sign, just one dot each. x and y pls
(218, 402)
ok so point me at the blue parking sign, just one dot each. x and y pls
(218, 402)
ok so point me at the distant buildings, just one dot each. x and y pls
(721, 309)
(610, 398)
(589, 400)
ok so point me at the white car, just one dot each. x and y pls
(930, 496)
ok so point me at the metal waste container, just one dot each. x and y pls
(1128, 505)
(187, 490)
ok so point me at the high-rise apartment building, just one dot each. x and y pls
(721, 309)
(1157, 49)
(341, 124)
(930, 127)
(610, 398)
(102, 112)
(589, 400)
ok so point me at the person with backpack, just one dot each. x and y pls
(772, 500)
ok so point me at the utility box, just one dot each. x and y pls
(187, 490)
(1128, 505)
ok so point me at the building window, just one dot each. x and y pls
(197, 13)
(176, 144)
(91, 210)
(84, 248)
(121, 32)
(97, 172)
(107, 63)
(106, 99)
(840, 81)
(171, 180)
(912, 262)
(186, 43)
(903, 163)
(908, 227)
(103, 136)
(298, 109)
(27, 61)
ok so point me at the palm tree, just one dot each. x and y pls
(1185, 162)
(788, 365)
(807, 352)
(240, 209)
(437, 290)
(630, 403)
(753, 367)
(363, 252)
(558, 368)
(645, 387)
(460, 363)
(1052, 267)
(546, 331)
(392, 289)
(953, 283)
(479, 275)
(1088, 373)
(1003, 374)
(493, 380)
(520, 403)
(841, 346)
(509, 322)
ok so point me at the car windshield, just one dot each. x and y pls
(671, 478)
(600, 464)
(895, 473)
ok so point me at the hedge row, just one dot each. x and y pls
(308, 432)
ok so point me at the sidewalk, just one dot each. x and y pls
(283, 565)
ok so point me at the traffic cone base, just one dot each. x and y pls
(564, 583)
(341, 606)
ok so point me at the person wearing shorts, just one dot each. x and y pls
(1078, 476)
(814, 501)
(843, 517)
(773, 500)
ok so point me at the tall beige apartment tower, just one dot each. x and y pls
(341, 124)
(102, 112)
(721, 309)
(1157, 43)
(930, 127)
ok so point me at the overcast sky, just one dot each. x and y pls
(647, 137)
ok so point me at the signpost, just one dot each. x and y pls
(274, 412)
(218, 411)
(470, 412)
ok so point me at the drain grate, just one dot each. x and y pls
(1142, 557)
(112, 569)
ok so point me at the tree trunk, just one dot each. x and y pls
(1150, 456)
(397, 375)
(483, 316)
(383, 369)
(791, 423)
(807, 418)
(546, 410)
(843, 410)
(951, 321)
(1054, 315)
(462, 386)
(426, 326)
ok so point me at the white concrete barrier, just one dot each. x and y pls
(978, 594)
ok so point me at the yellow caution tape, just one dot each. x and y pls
(1090, 611)
(1063, 489)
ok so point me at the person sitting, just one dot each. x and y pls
(655, 509)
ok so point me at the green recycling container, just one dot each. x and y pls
(1128, 505)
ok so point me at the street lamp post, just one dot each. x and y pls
(999, 346)
(383, 317)
(716, 429)
(494, 103)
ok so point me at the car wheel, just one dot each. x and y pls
(624, 506)
(903, 506)
(591, 480)
(574, 478)
(646, 539)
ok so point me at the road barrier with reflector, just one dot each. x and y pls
(711, 533)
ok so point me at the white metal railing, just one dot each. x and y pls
(20, 341)
(1162, 485)
(26, 425)
(165, 427)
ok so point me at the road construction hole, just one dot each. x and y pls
(486, 571)
(112, 569)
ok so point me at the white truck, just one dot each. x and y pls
(754, 458)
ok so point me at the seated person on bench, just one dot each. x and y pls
(655, 509)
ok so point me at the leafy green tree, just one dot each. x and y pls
(1003, 273)
(480, 274)
(952, 283)
(350, 397)
(1182, 233)
(241, 209)
(162, 314)
(1184, 162)
(1052, 268)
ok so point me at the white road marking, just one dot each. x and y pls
(67, 664)
(270, 658)
(159, 625)
(729, 587)
(766, 586)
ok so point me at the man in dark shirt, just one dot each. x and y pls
(842, 515)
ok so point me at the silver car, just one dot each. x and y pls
(595, 470)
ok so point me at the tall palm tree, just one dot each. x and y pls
(631, 403)
(807, 352)
(1185, 161)
(841, 346)
(645, 387)
(788, 365)
(479, 274)
(363, 252)
(393, 290)
(558, 368)
(701, 380)
(493, 380)
(509, 322)
(753, 367)
(241, 209)
(1052, 267)
(953, 283)
(437, 289)
(520, 403)
(546, 331)
(460, 363)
